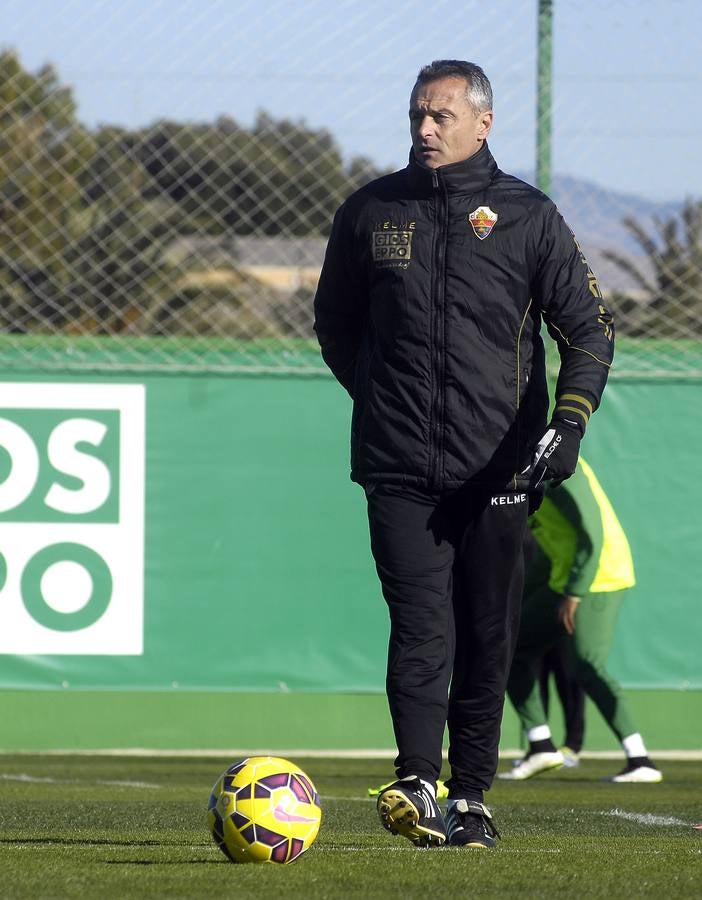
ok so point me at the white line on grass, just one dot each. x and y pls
(310, 754)
(501, 850)
(36, 779)
(29, 778)
(645, 818)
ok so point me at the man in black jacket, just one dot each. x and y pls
(434, 286)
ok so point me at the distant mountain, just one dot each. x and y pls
(595, 214)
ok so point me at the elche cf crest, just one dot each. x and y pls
(482, 221)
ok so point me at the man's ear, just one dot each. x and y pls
(484, 124)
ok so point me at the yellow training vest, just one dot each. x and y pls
(557, 537)
(616, 569)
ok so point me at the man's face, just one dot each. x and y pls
(444, 127)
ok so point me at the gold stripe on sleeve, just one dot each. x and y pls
(586, 403)
(574, 409)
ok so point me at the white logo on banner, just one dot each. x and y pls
(71, 519)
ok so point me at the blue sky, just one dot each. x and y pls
(627, 75)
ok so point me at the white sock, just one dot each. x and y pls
(634, 745)
(538, 733)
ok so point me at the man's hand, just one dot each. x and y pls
(555, 456)
(567, 609)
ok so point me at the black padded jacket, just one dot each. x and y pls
(428, 311)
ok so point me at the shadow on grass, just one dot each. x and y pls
(97, 842)
(166, 862)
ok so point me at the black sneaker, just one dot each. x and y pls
(407, 808)
(469, 824)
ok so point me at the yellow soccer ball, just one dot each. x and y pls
(264, 809)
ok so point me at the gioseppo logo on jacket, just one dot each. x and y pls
(71, 518)
(392, 243)
(482, 220)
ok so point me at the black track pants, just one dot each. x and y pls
(451, 569)
(570, 694)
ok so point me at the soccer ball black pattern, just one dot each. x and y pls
(264, 809)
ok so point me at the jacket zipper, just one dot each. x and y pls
(438, 329)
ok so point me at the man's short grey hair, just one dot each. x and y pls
(478, 89)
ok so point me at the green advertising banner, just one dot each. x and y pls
(201, 533)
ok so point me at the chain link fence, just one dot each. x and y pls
(143, 229)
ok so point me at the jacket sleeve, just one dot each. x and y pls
(340, 304)
(573, 308)
(575, 500)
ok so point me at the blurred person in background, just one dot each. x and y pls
(579, 568)
(428, 312)
(555, 669)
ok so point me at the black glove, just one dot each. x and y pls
(555, 456)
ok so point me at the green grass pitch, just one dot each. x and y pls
(128, 827)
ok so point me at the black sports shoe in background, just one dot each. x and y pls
(407, 808)
(469, 824)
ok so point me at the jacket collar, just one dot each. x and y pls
(465, 177)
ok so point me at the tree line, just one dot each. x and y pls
(88, 215)
(87, 218)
